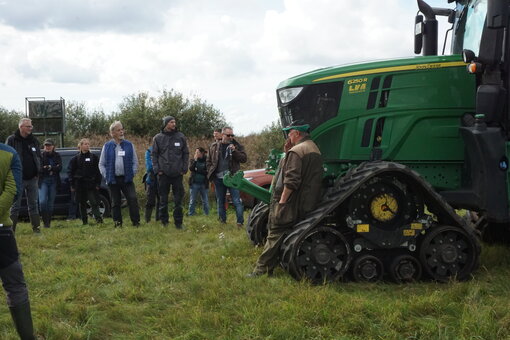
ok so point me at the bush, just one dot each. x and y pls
(10, 120)
(80, 123)
(142, 115)
(259, 145)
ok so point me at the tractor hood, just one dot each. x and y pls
(336, 73)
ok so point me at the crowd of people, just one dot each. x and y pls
(166, 162)
(25, 168)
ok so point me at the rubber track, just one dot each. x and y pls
(350, 183)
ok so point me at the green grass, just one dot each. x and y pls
(97, 282)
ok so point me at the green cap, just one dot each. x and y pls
(304, 127)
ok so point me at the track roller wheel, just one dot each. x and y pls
(448, 252)
(322, 255)
(405, 268)
(256, 228)
(367, 268)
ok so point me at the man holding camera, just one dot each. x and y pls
(226, 156)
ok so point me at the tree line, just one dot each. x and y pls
(141, 115)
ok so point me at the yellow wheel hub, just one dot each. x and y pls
(384, 207)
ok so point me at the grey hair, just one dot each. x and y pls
(114, 124)
(225, 128)
(23, 120)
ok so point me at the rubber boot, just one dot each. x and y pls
(22, 318)
(148, 214)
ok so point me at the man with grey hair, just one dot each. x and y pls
(170, 157)
(29, 151)
(118, 165)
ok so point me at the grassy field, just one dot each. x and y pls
(97, 282)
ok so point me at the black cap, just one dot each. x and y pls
(166, 120)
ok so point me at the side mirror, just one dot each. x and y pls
(497, 14)
(418, 34)
(468, 56)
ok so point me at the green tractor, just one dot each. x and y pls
(405, 142)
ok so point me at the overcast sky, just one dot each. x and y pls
(230, 53)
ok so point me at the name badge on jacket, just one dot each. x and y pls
(177, 144)
(122, 153)
(33, 149)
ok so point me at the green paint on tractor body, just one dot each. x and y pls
(406, 111)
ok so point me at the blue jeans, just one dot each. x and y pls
(202, 190)
(221, 193)
(47, 193)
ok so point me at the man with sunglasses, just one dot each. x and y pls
(226, 156)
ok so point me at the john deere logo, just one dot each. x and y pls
(357, 85)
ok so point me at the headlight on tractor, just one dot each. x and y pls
(288, 94)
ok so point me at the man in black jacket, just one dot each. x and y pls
(170, 156)
(29, 151)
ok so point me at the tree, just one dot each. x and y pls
(80, 123)
(10, 120)
(271, 137)
(142, 115)
(199, 119)
(139, 114)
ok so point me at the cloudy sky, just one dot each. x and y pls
(230, 53)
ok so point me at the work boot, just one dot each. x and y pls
(117, 224)
(22, 318)
(35, 220)
(148, 214)
(46, 219)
